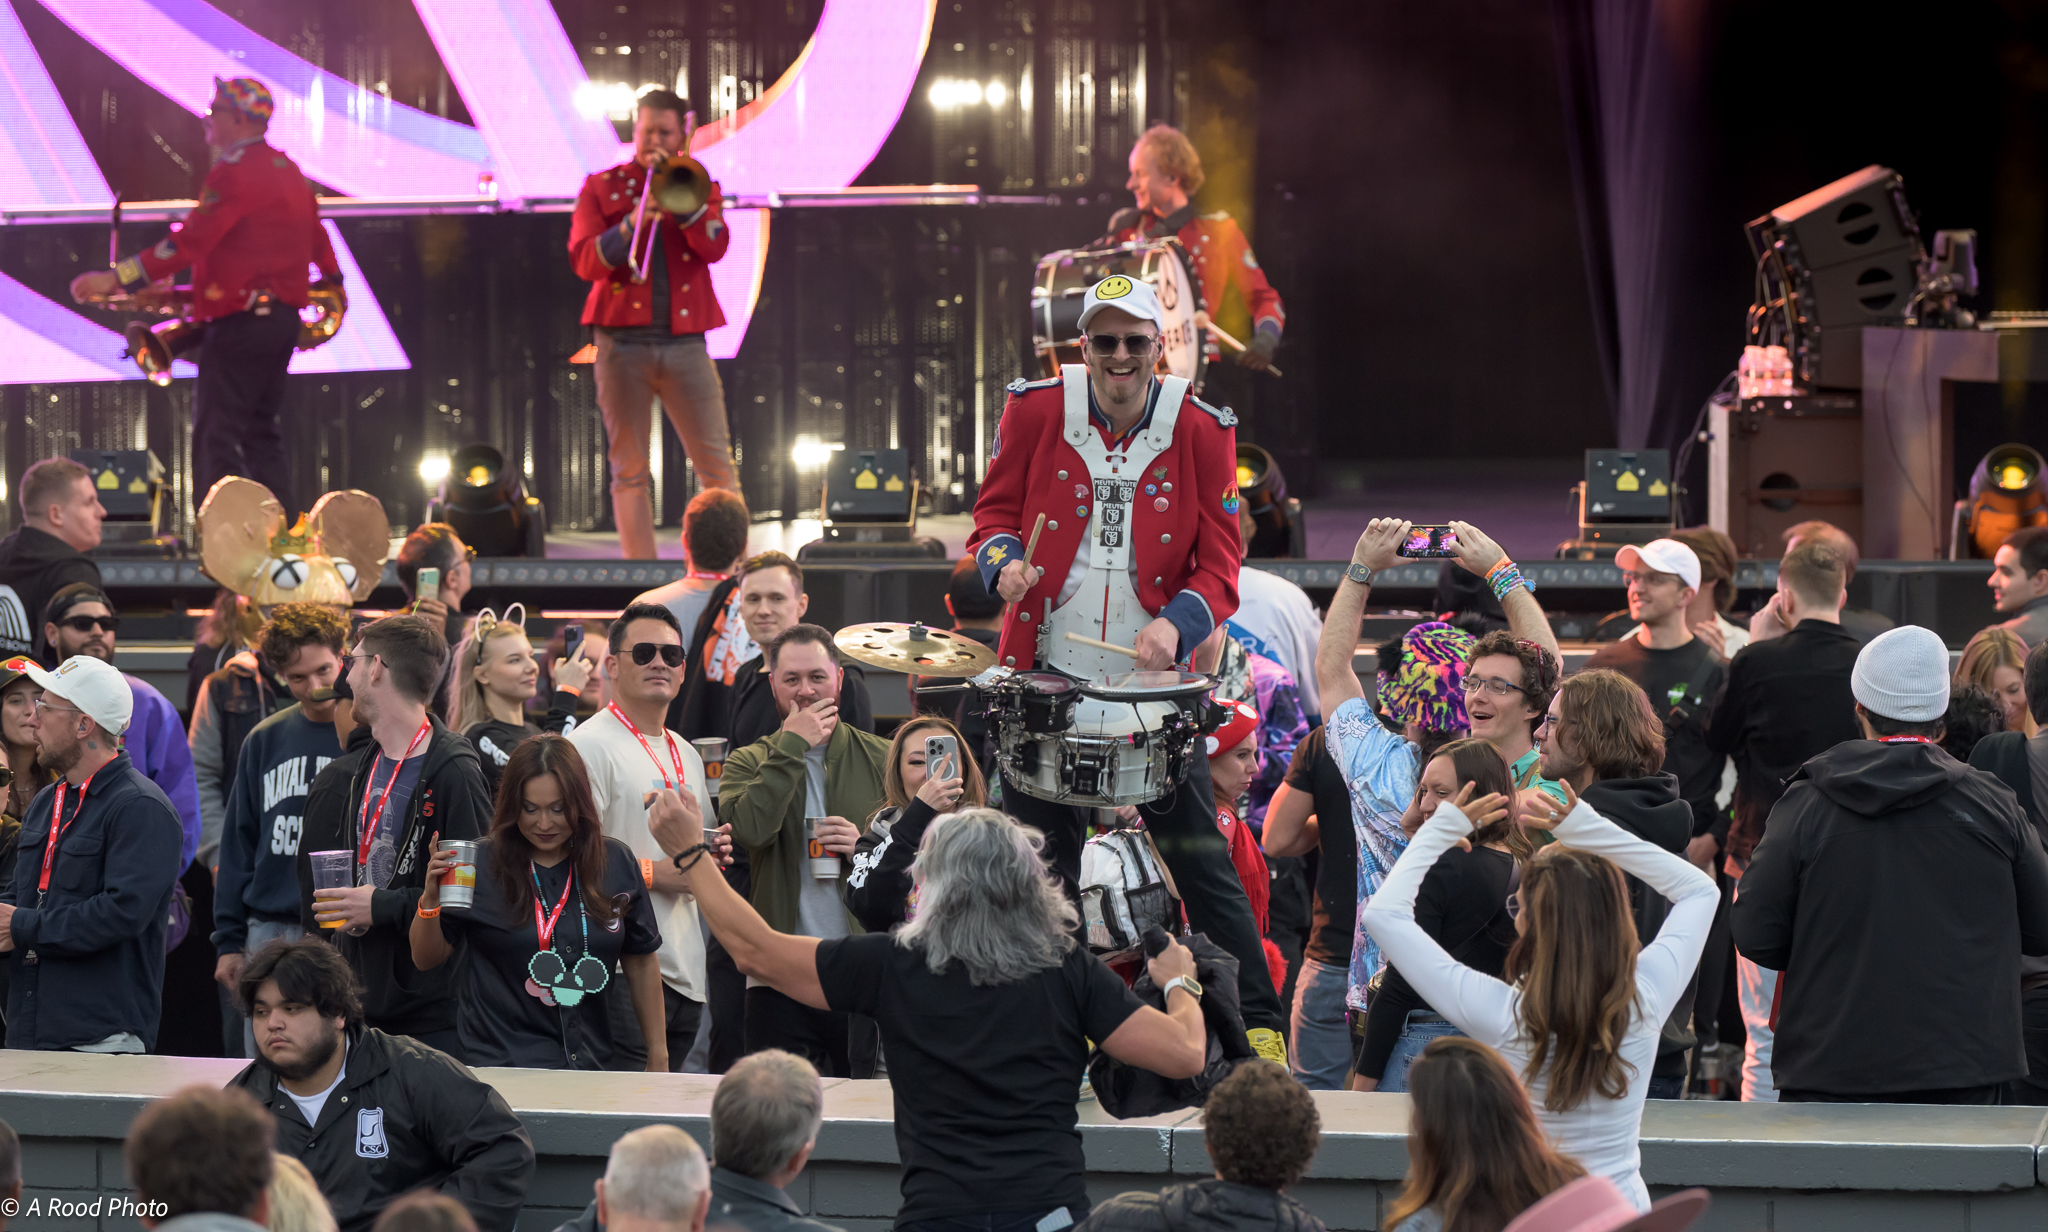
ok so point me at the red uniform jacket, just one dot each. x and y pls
(1220, 253)
(1183, 519)
(597, 247)
(256, 228)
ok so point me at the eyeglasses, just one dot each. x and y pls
(86, 624)
(1137, 345)
(1549, 721)
(1639, 578)
(670, 653)
(43, 704)
(1492, 684)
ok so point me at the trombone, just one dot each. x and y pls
(679, 185)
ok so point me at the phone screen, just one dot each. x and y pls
(1430, 541)
(941, 757)
(428, 584)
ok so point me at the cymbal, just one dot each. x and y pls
(914, 648)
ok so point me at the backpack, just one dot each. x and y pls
(1124, 891)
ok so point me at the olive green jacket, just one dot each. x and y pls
(762, 795)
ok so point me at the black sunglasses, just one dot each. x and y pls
(670, 653)
(1138, 345)
(86, 624)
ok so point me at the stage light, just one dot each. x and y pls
(486, 502)
(809, 453)
(996, 93)
(2007, 492)
(434, 467)
(1279, 529)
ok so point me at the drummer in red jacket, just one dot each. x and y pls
(1137, 482)
(650, 335)
(1165, 172)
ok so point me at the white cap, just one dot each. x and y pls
(1903, 674)
(1132, 295)
(92, 685)
(1665, 556)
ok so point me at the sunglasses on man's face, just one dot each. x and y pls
(1138, 346)
(670, 653)
(86, 624)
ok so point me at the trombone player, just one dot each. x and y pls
(644, 235)
(248, 240)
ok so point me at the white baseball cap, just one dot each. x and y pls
(1132, 295)
(1665, 556)
(92, 685)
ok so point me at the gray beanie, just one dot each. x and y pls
(1903, 674)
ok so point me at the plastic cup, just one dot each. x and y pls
(458, 884)
(331, 872)
(824, 864)
(712, 750)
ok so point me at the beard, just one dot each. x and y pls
(319, 1054)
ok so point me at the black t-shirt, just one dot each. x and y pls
(985, 1079)
(1336, 904)
(498, 1020)
(1683, 684)
(1463, 906)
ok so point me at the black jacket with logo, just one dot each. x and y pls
(449, 799)
(35, 564)
(405, 1117)
(1896, 888)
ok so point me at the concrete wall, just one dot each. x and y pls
(1854, 1168)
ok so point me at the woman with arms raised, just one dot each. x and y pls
(1577, 1011)
(986, 1007)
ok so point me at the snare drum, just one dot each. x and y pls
(1062, 282)
(1123, 740)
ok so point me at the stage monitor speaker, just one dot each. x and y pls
(1793, 460)
(128, 482)
(1849, 220)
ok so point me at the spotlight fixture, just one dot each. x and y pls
(1279, 530)
(486, 503)
(2007, 492)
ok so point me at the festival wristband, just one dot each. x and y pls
(647, 872)
(428, 913)
(1504, 578)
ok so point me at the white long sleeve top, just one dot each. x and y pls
(1603, 1134)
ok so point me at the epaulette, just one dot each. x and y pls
(1019, 385)
(1218, 216)
(1224, 415)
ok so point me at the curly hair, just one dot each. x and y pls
(1610, 722)
(1176, 156)
(1539, 669)
(294, 626)
(1261, 1126)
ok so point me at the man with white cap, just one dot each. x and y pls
(82, 926)
(1136, 485)
(1896, 889)
(1679, 671)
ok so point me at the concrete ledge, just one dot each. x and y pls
(1859, 1168)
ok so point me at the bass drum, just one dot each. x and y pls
(1062, 283)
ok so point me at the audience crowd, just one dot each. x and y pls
(1532, 899)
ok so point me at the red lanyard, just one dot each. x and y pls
(673, 755)
(56, 830)
(719, 577)
(545, 929)
(1905, 740)
(369, 821)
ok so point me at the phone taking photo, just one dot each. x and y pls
(941, 757)
(572, 639)
(1429, 541)
(427, 586)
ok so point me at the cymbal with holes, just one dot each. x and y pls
(914, 648)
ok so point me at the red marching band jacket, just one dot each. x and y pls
(1184, 531)
(1220, 254)
(256, 228)
(597, 247)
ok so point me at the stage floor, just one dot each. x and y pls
(1525, 506)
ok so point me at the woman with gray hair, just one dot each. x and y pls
(986, 1007)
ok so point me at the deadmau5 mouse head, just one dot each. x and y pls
(333, 555)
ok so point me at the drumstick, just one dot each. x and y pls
(1109, 646)
(1029, 548)
(1216, 330)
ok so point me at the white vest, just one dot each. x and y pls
(1105, 607)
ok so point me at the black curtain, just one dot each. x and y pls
(1632, 74)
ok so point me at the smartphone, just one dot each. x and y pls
(941, 757)
(428, 585)
(1429, 541)
(572, 637)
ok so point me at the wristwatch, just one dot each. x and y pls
(1183, 981)
(1359, 574)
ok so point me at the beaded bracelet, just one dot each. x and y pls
(697, 852)
(1505, 577)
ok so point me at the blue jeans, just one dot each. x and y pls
(1421, 1027)
(1321, 1055)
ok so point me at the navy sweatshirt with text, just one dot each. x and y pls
(259, 842)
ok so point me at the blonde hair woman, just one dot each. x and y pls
(1995, 660)
(295, 1201)
(495, 676)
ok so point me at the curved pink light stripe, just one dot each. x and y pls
(366, 342)
(43, 342)
(42, 156)
(519, 74)
(358, 142)
(737, 279)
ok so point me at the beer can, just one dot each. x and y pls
(824, 864)
(712, 750)
(458, 884)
